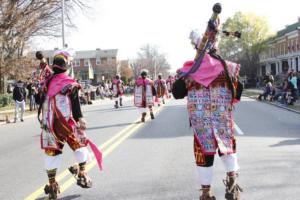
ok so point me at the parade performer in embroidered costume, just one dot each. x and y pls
(62, 122)
(118, 90)
(170, 80)
(42, 74)
(161, 89)
(211, 90)
(43, 71)
(143, 95)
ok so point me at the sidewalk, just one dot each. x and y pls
(253, 93)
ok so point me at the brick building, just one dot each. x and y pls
(283, 52)
(104, 63)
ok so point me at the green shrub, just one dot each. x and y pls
(6, 100)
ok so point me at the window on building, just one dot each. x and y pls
(273, 69)
(280, 50)
(83, 75)
(263, 70)
(294, 47)
(290, 46)
(104, 60)
(297, 65)
(285, 66)
(86, 62)
(77, 63)
(98, 61)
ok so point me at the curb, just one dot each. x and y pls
(279, 106)
(25, 117)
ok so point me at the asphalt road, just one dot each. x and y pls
(155, 160)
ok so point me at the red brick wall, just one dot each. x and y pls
(81, 62)
(93, 62)
(298, 40)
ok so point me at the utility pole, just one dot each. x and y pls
(154, 67)
(63, 22)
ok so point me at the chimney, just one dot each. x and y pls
(298, 19)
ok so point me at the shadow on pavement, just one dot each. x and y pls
(111, 109)
(172, 121)
(286, 143)
(109, 126)
(69, 197)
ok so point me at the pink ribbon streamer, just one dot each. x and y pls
(97, 153)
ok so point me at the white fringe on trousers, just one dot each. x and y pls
(54, 162)
(206, 173)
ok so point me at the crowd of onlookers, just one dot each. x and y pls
(101, 90)
(29, 91)
(286, 92)
(23, 92)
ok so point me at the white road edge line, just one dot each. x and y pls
(237, 129)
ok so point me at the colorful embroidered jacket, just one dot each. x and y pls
(169, 83)
(160, 87)
(143, 92)
(117, 87)
(44, 72)
(57, 114)
(58, 122)
(210, 107)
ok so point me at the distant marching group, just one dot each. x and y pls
(146, 92)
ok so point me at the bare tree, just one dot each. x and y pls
(151, 59)
(21, 20)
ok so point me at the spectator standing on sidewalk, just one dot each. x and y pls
(268, 78)
(31, 95)
(19, 96)
(292, 78)
(257, 82)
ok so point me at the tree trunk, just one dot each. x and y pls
(1, 73)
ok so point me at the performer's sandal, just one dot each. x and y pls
(52, 190)
(82, 179)
(232, 188)
(143, 117)
(206, 194)
(151, 115)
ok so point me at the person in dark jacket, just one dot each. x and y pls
(19, 96)
(31, 95)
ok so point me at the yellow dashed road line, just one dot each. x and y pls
(106, 148)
